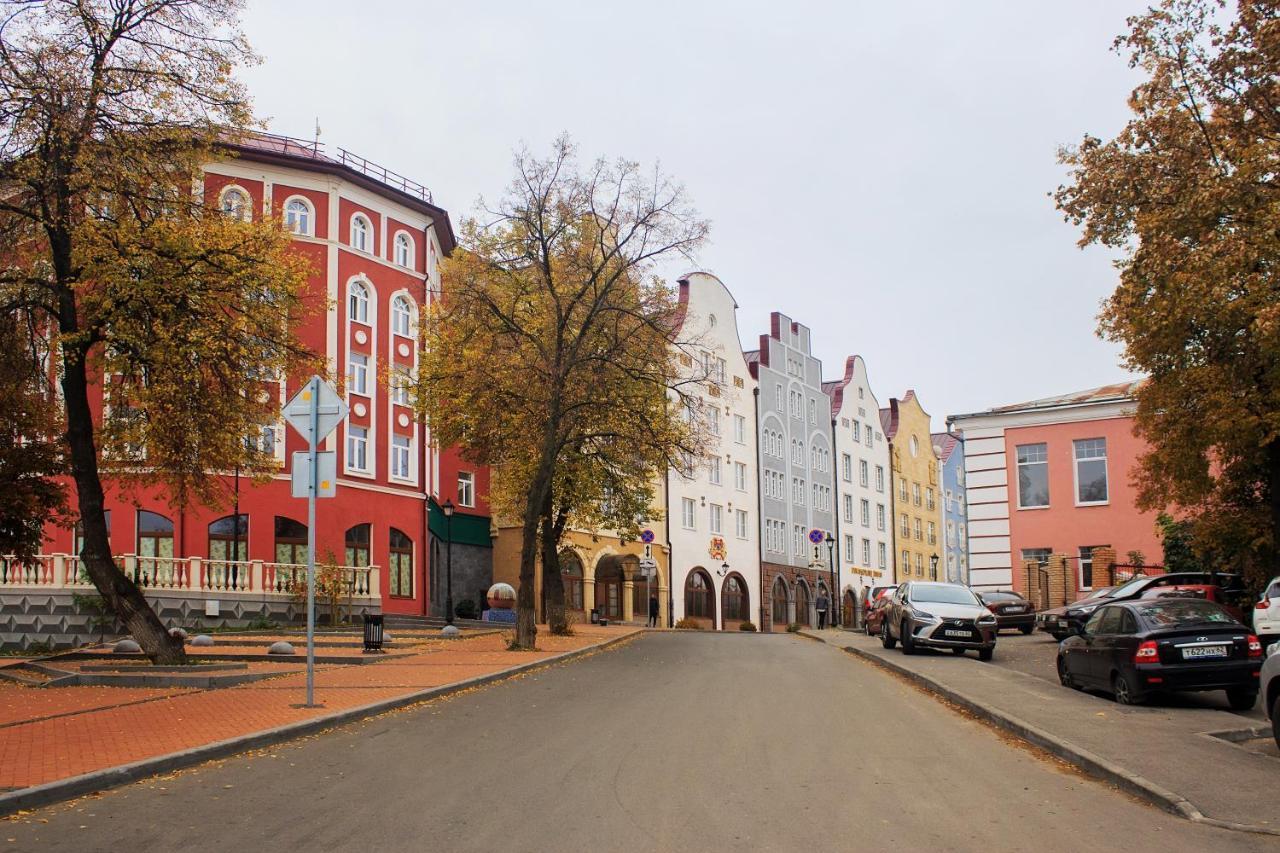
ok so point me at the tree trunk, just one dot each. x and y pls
(116, 588)
(526, 615)
(552, 581)
(1273, 493)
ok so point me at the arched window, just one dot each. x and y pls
(401, 316)
(571, 574)
(609, 586)
(357, 542)
(737, 604)
(404, 250)
(698, 602)
(400, 565)
(229, 540)
(155, 535)
(779, 596)
(297, 216)
(291, 541)
(235, 203)
(361, 233)
(358, 302)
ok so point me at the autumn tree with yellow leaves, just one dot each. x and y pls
(109, 109)
(1189, 196)
(551, 355)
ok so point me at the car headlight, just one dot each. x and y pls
(921, 616)
(1082, 611)
(987, 618)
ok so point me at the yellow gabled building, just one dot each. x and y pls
(917, 508)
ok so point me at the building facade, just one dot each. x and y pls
(1054, 477)
(864, 520)
(796, 483)
(949, 447)
(712, 508)
(917, 510)
(375, 241)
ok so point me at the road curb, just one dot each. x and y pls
(1077, 756)
(100, 780)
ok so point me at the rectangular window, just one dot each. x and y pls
(905, 565)
(466, 488)
(713, 420)
(866, 552)
(741, 526)
(740, 429)
(879, 478)
(1033, 476)
(868, 435)
(857, 432)
(848, 508)
(687, 513)
(401, 457)
(919, 531)
(1086, 565)
(879, 516)
(740, 476)
(933, 534)
(846, 467)
(717, 518)
(713, 470)
(1091, 470)
(863, 473)
(358, 373)
(915, 493)
(357, 448)
(920, 564)
(778, 396)
(719, 370)
(866, 513)
(813, 411)
(902, 490)
(848, 548)
(797, 540)
(400, 382)
(1036, 555)
(906, 525)
(881, 555)
(929, 499)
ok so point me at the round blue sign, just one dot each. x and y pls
(816, 537)
(647, 537)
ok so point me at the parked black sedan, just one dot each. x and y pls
(1145, 646)
(1011, 610)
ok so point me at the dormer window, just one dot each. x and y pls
(361, 233)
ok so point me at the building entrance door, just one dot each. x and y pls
(609, 587)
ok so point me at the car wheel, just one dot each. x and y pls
(959, 652)
(1026, 630)
(908, 644)
(1122, 688)
(886, 639)
(1275, 719)
(985, 655)
(1064, 677)
(1242, 698)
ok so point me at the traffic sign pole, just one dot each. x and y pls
(313, 464)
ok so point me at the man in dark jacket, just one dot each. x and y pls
(653, 611)
(821, 605)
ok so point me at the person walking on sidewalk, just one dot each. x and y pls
(821, 605)
(653, 611)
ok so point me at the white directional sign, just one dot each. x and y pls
(332, 410)
(326, 473)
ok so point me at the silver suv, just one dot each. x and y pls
(938, 615)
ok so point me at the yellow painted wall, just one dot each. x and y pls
(918, 469)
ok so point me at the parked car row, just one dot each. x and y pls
(1221, 588)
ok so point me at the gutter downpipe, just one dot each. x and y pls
(837, 597)
(755, 401)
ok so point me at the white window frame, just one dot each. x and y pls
(688, 513)
(307, 219)
(880, 479)
(1018, 464)
(1075, 469)
(402, 315)
(358, 448)
(864, 472)
(715, 514)
(713, 470)
(466, 488)
(358, 373)
(865, 510)
(403, 241)
(245, 212)
(366, 244)
(847, 501)
(741, 527)
(359, 295)
(740, 476)
(402, 458)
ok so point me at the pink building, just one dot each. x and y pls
(1053, 476)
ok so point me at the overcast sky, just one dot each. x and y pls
(877, 171)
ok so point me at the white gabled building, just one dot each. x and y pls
(864, 519)
(712, 514)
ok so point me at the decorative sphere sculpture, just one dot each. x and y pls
(502, 596)
(202, 640)
(280, 648)
(178, 633)
(450, 631)
(125, 647)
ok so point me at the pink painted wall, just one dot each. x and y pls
(1065, 527)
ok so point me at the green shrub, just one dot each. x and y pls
(747, 626)
(466, 609)
(793, 627)
(688, 623)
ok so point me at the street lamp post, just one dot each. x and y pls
(831, 567)
(723, 572)
(447, 507)
(933, 567)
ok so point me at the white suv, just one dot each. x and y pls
(1266, 614)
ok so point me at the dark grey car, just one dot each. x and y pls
(938, 615)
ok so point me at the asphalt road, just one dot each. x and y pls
(672, 742)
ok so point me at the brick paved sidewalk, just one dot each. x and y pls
(53, 733)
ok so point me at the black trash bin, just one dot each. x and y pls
(372, 633)
(595, 616)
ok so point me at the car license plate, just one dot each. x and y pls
(951, 633)
(1018, 609)
(1204, 652)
